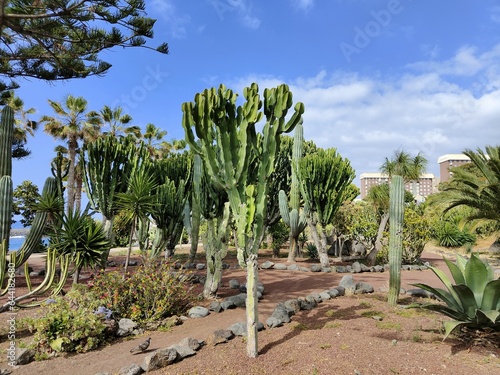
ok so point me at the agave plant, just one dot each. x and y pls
(473, 301)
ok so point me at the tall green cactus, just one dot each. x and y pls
(6, 188)
(174, 176)
(192, 211)
(34, 236)
(6, 136)
(216, 250)
(396, 216)
(291, 213)
(228, 142)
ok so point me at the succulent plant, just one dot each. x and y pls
(473, 301)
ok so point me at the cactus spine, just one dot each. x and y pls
(291, 213)
(228, 143)
(396, 216)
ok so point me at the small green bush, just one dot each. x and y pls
(449, 235)
(312, 251)
(153, 292)
(280, 234)
(62, 327)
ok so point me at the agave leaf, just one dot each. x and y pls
(467, 299)
(450, 327)
(487, 316)
(490, 271)
(461, 263)
(445, 310)
(476, 277)
(443, 295)
(491, 296)
(446, 281)
(455, 271)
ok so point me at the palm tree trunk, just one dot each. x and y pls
(127, 259)
(70, 184)
(76, 275)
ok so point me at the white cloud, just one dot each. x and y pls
(466, 62)
(303, 4)
(368, 118)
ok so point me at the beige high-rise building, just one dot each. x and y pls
(420, 189)
(450, 160)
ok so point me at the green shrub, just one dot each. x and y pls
(312, 251)
(153, 292)
(416, 233)
(62, 327)
(280, 233)
(448, 234)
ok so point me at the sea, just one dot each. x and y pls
(15, 242)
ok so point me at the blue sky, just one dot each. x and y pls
(375, 76)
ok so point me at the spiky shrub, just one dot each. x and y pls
(81, 237)
(473, 301)
(448, 234)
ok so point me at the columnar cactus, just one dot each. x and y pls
(216, 250)
(6, 188)
(291, 213)
(192, 214)
(228, 142)
(396, 215)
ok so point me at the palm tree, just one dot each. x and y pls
(23, 126)
(402, 168)
(153, 138)
(115, 121)
(477, 186)
(72, 124)
(157, 147)
(137, 202)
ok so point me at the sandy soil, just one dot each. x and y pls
(337, 337)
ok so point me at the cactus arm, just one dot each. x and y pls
(44, 285)
(27, 276)
(35, 233)
(194, 224)
(6, 135)
(396, 215)
(6, 188)
(7, 191)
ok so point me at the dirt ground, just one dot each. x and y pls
(339, 336)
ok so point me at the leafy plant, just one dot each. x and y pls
(448, 234)
(63, 328)
(312, 251)
(280, 234)
(151, 293)
(81, 237)
(473, 301)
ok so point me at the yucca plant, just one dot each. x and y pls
(473, 301)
